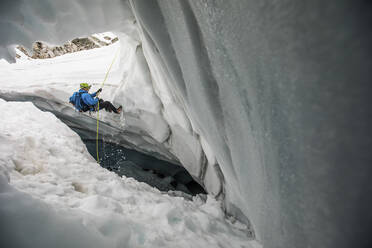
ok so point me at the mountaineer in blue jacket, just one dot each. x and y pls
(83, 101)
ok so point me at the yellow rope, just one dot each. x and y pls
(103, 83)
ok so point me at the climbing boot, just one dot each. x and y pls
(119, 109)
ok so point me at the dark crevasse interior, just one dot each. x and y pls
(160, 174)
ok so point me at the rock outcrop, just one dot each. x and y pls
(42, 50)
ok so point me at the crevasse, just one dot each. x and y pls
(266, 104)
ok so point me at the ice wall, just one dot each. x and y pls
(279, 90)
(268, 100)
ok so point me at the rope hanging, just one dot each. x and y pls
(103, 83)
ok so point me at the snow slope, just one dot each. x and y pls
(53, 194)
(128, 84)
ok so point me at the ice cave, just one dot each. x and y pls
(261, 109)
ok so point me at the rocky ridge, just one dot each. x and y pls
(41, 50)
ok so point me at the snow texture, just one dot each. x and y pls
(265, 103)
(54, 194)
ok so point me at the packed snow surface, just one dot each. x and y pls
(54, 194)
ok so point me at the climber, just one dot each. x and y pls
(83, 101)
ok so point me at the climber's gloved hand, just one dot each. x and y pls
(98, 92)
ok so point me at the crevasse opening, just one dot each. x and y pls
(164, 175)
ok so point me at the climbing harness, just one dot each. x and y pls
(103, 83)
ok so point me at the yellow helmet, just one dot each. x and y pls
(85, 86)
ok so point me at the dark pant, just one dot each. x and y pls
(107, 106)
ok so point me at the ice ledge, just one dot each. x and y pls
(108, 131)
(178, 143)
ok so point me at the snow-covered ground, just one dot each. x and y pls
(63, 74)
(101, 36)
(53, 191)
(54, 194)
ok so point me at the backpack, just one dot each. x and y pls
(78, 102)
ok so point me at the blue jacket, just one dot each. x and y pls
(88, 99)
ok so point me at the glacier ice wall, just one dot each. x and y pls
(268, 100)
(280, 91)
